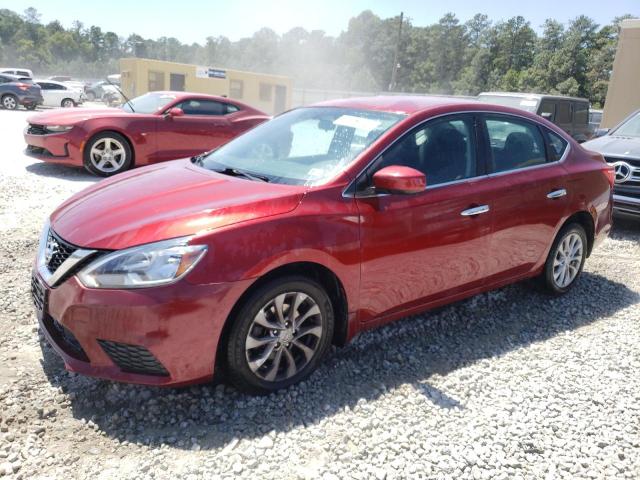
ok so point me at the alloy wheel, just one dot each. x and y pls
(9, 103)
(108, 155)
(284, 336)
(567, 260)
(67, 103)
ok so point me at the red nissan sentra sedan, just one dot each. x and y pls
(152, 128)
(312, 227)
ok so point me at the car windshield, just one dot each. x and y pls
(523, 103)
(630, 128)
(306, 146)
(148, 103)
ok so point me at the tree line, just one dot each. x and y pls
(448, 57)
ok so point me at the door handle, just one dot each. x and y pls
(470, 212)
(561, 192)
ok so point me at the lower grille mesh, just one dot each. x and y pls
(133, 358)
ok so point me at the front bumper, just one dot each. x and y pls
(626, 205)
(54, 147)
(155, 336)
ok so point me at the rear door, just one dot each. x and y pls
(529, 193)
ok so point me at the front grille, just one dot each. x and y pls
(633, 165)
(37, 294)
(57, 251)
(34, 129)
(64, 338)
(133, 358)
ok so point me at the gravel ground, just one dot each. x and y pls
(509, 384)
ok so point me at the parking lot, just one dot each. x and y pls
(508, 384)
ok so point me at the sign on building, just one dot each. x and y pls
(208, 72)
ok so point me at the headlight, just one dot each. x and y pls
(148, 265)
(58, 128)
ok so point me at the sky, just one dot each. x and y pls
(195, 20)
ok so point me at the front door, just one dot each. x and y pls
(418, 249)
(203, 127)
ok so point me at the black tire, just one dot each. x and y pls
(548, 278)
(67, 103)
(9, 102)
(236, 355)
(31, 107)
(91, 96)
(95, 140)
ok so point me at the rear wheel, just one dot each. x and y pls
(279, 335)
(68, 103)
(91, 96)
(31, 107)
(10, 102)
(107, 154)
(566, 259)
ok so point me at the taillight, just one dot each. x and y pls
(23, 86)
(611, 175)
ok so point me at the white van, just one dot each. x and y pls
(20, 72)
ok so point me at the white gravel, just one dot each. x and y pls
(507, 385)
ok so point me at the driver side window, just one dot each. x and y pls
(443, 149)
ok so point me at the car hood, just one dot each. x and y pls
(615, 146)
(168, 200)
(70, 116)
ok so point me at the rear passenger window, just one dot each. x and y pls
(580, 113)
(558, 145)
(563, 113)
(514, 144)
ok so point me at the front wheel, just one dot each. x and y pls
(566, 259)
(107, 154)
(279, 336)
(68, 103)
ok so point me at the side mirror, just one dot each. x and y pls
(175, 112)
(601, 132)
(402, 180)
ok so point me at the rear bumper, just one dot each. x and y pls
(625, 205)
(164, 336)
(28, 100)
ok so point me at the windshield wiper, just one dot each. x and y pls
(235, 172)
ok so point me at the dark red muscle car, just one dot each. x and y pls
(152, 128)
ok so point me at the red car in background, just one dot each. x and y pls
(321, 223)
(152, 128)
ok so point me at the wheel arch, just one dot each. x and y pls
(585, 220)
(314, 271)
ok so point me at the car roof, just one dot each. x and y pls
(46, 80)
(537, 96)
(217, 98)
(406, 104)
(14, 78)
